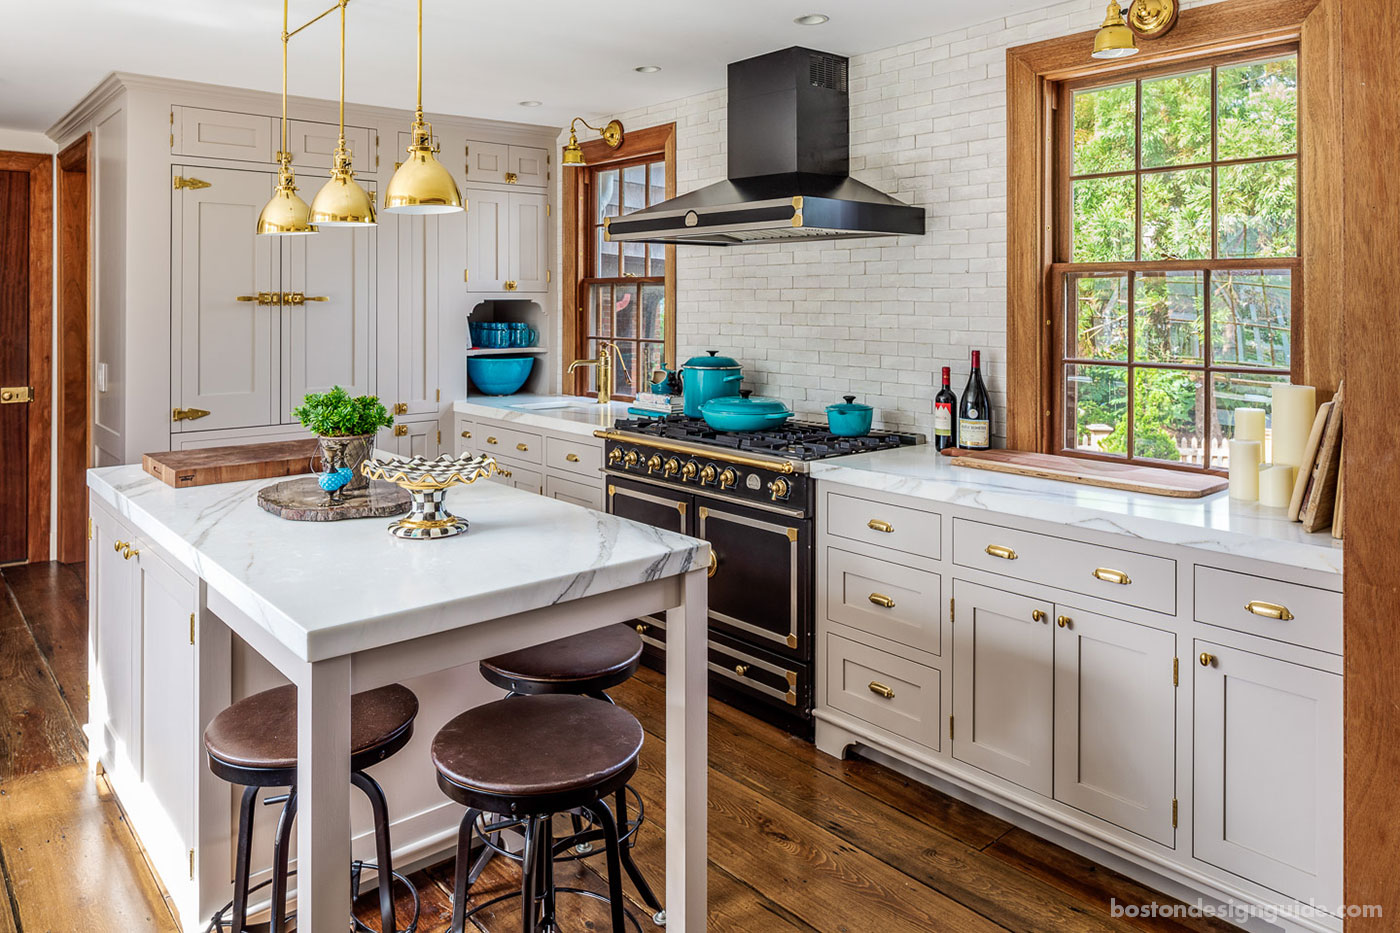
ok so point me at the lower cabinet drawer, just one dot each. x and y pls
(897, 695)
(569, 490)
(886, 599)
(1300, 615)
(518, 445)
(759, 673)
(527, 478)
(465, 436)
(913, 531)
(573, 455)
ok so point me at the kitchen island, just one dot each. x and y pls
(337, 608)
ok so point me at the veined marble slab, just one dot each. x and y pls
(324, 589)
(583, 417)
(1215, 523)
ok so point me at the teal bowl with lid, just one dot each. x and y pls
(849, 418)
(744, 413)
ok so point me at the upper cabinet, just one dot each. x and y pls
(497, 163)
(248, 137)
(312, 146)
(507, 241)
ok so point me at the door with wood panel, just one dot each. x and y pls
(225, 314)
(327, 292)
(14, 366)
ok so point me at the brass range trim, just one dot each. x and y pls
(698, 450)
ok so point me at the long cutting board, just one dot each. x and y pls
(184, 468)
(1177, 484)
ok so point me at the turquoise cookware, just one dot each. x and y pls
(707, 377)
(849, 419)
(744, 413)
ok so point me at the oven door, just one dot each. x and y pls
(659, 507)
(761, 577)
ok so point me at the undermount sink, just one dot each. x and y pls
(558, 403)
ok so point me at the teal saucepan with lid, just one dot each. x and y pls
(849, 419)
(744, 413)
(707, 377)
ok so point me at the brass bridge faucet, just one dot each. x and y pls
(606, 350)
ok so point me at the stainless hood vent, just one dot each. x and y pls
(789, 163)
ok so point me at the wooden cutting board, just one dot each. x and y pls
(184, 468)
(1177, 484)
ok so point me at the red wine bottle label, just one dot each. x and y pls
(974, 434)
(943, 419)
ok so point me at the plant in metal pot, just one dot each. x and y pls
(345, 425)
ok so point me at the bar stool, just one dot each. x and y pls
(587, 664)
(253, 743)
(530, 758)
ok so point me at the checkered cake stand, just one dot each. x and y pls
(427, 482)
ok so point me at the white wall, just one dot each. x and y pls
(25, 141)
(878, 317)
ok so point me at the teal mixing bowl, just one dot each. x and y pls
(499, 375)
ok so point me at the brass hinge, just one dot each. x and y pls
(89, 528)
(548, 275)
(172, 140)
(191, 628)
(548, 210)
(465, 274)
(952, 614)
(1176, 672)
(192, 863)
(439, 437)
(87, 692)
(1173, 813)
(950, 728)
(438, 397)
(187, 414)
(192, 183)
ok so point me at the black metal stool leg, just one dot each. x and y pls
(603, 815)
(648, 896)
(529, 875)
(281, 852)
(547, 873)
(463, 881)
(383, 851)
(241, 860)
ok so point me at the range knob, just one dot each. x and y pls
(728, 478)
(614, 455)
(653, 464)
(689, 471)
(631, 458)
(708, 475)
(673, 466)
(779, 489)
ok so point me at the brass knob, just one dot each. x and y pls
(614, 455)
(1038, 615)
(129, 552)
(673, 466)
(400, 408)
(492, 440)
(728, 478)
(714, 564)
(401, 430)
(653, 463)
(631, 458)
(641, 628)
(118, 545)
(778, 489)
(1207, 659)
(510, 286)
(689, 471)
(741, 669)
(708, 474)
(1063, 621)
(572, 458)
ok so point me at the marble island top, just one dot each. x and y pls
(568, 413)
(1215, 523)
(324, 589)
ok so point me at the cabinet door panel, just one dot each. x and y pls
(761, 584)
(487, 161)
(529, 242)
(409, 313)
(1003, 684)
(222, 134)
(488, 232)
(529, 165)
(227, 348)
(590, 496)
(1268, 772)
(113, 663)
(312, 146)
(1115, 721)
(885, 599)
(327, 342)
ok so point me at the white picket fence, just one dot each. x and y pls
(1190, 448)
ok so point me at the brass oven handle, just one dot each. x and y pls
(714, 564)
(1269, 610)
(883, 527)
(572, 458)
(741, 669)
(671, 447)
(1113, 576)
(880, 689)
(1207, 659)
(880, 599)
(997, 550)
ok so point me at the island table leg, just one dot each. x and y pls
(687, 697)
(323, 797)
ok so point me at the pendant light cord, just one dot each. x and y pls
(282, 154)
(420, 61)
(342, 73)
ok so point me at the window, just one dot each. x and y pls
(1177, 289)
(625, 291)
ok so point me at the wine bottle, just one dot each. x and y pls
(975, 410)
(944, 436)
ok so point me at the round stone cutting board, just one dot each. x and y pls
(303, 500)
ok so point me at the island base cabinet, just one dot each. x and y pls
(1115, 721)
(1268, 772)
(1003, 672)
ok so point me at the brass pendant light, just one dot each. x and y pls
(573, 152)
(1114, 39)
(342, 202)
(422, 184)
(1145, 19)
(286, 214)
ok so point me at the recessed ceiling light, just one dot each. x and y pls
(647, 69)
(531, 103)
(812, 19)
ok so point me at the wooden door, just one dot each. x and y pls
(14, 366)
(226, 341)
(409, 314)
(1115, 721)
(112, 659)
(1003, 684)
(326, 335)
(1268, 771)
(488, 230)
(529, 242)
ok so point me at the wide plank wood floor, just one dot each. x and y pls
(798, 841)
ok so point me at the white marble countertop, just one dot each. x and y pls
(1215, 523)
(574, 414)
(330, 588)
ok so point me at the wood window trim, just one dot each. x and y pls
(1033, 73)
(39, 167)
(637, 144)
(72, 421)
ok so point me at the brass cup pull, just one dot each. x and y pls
(492, 440)
(714, 564)
(880, 689)
(466, 434)
(880, 599)
(1005, 553)
(1037, 615)
(522, 447)
(128, 552)
(883, 527)
(572, 458)
(1269, 610)
(1064, 621)
(1207, 659)
(1113, 576)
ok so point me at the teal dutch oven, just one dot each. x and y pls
(707, 377)
(849, 419)
(743, 413)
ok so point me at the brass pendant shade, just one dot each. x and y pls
(286, 214)
(422, 184)
(342, 202)
(573, 152)
(1114, 39)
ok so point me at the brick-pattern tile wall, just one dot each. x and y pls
(876, 318)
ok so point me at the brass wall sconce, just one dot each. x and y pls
(573, 152)
(1147, 19)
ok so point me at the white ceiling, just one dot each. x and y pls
(482, 58)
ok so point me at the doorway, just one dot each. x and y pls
(71, 364)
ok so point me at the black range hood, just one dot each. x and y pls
(789, 158)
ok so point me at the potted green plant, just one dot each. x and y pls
(345, 425)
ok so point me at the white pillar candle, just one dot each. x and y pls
(1249, 424)
(1294, 410)
(1244, 470)
(1276, 485)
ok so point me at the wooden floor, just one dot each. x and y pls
(798, 841)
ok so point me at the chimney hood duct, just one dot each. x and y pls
(789, 158)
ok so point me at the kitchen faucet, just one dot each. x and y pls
(606, 349)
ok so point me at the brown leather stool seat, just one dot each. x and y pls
(588, 663)
(259, 733)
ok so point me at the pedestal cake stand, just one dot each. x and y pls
(427, 482)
